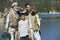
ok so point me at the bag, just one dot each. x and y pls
(37, 35)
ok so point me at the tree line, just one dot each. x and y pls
(38, 5)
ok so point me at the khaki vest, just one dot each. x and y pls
(13, 18)
(32, 20)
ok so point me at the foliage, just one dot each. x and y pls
(38, 5)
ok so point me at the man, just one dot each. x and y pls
(33, 19)
(12, 20)
(30, 15)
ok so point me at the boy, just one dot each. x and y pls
(23, 28)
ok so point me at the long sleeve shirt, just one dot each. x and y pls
(7, 21)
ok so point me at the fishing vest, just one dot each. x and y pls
(32, 20)
(13, 18)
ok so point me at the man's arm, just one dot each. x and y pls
(38, 20)
(7, 21)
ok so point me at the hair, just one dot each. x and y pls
(27, 4)
(21, 14)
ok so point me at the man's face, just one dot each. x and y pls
(16, 6)
(28, 7)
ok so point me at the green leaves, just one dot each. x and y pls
(38, 5)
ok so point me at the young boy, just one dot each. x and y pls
(23, 28)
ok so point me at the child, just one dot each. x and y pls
(23, 28)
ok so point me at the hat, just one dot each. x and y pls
(13, 4)
(23, 11)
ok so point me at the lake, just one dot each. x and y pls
(50, 27)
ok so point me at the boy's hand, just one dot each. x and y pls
(18, 38)
(29, 36)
